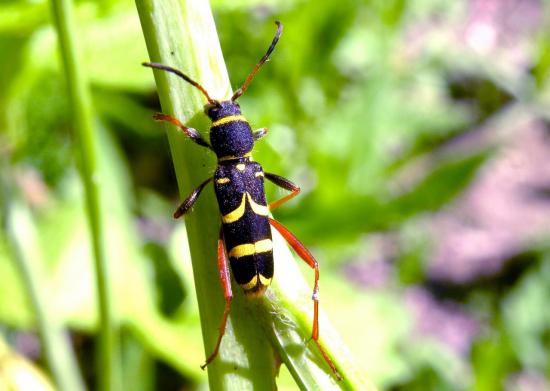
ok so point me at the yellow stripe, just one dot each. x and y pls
(261, 210)
(235, 215)
(263, 246)
(231, 157)
(265, 281)
(243, 250)
(229, 118)
(258, 174)
(222, 181)
(251, 284)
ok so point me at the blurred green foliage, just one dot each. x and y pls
(368, 105)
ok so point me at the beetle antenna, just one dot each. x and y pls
(243, 88)
(182, 75)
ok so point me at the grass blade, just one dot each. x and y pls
(80, 101)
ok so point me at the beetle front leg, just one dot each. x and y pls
(193, 134)
(258, 134)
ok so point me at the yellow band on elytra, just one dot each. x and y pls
(243, 250)
(264, 280)
(229, 118)
(236, 214)
(250, 284)
(261, 210)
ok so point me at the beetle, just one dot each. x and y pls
(245, 234)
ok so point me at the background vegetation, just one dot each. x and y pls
(417, 130)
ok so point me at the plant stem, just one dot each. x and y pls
(182, 34)
(80, 101)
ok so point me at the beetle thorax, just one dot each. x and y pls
(230, 133)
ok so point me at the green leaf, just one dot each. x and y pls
(440, 185)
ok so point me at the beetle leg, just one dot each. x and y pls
(304, 253)
(258, 134)
(285, 184)
(190, 200)
(189, 132)
(225, 280)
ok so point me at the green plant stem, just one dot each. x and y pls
(83, 126)
(182, 34)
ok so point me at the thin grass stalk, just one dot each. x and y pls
(82, 118)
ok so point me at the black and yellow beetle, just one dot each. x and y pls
(245, 235)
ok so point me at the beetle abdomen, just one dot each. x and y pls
(247, 234)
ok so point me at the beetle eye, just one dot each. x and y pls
(209, 109)
(212, 108)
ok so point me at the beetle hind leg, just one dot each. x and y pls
(225, 280)
(304, 253)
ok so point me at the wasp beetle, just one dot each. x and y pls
(245, 234)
